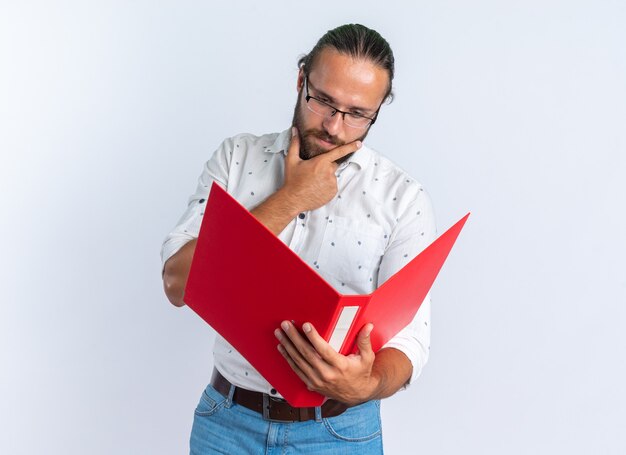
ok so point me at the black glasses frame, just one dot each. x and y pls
(343, 113)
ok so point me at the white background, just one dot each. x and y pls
(513, 110)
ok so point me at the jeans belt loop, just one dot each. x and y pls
(266, 407)
(318, 414)
(231, 393)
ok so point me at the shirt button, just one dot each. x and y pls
(273, 391)
(301, 216)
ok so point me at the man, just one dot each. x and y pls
(351, 215)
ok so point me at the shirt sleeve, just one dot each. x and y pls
(414, 231)
(216, 169)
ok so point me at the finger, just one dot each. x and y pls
(305, 355)
(293, 152)
(292, 351)
(307, 381)
(364, 341)
(341, 151)
(325, 350)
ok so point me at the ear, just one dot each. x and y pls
(300, 82)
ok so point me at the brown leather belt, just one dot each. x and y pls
(275, 409)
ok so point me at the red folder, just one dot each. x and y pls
(244, 281)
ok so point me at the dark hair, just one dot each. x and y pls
(357, 41)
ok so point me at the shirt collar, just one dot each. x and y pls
(360, 158)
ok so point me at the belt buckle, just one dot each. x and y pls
(267, 406)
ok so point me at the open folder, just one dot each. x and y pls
(244, 281)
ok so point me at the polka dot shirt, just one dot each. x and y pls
(379, 220)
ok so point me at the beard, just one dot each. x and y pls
(309, 147)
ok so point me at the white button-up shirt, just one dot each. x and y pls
(379, 220)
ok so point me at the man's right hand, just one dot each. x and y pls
(310, 184)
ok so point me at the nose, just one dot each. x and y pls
(333, 124)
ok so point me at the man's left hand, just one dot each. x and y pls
(348, 379)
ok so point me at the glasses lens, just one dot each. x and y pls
(356, 121)
(320, 108)
(325, 110)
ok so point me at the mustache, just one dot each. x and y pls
(321, 135)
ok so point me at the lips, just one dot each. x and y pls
(315, 143)
(325, 143)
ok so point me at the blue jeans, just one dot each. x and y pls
(221, 426)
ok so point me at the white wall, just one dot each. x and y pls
(512, 110)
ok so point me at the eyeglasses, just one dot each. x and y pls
(351, 119)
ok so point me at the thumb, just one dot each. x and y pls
(293, 153)
(364, 342)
